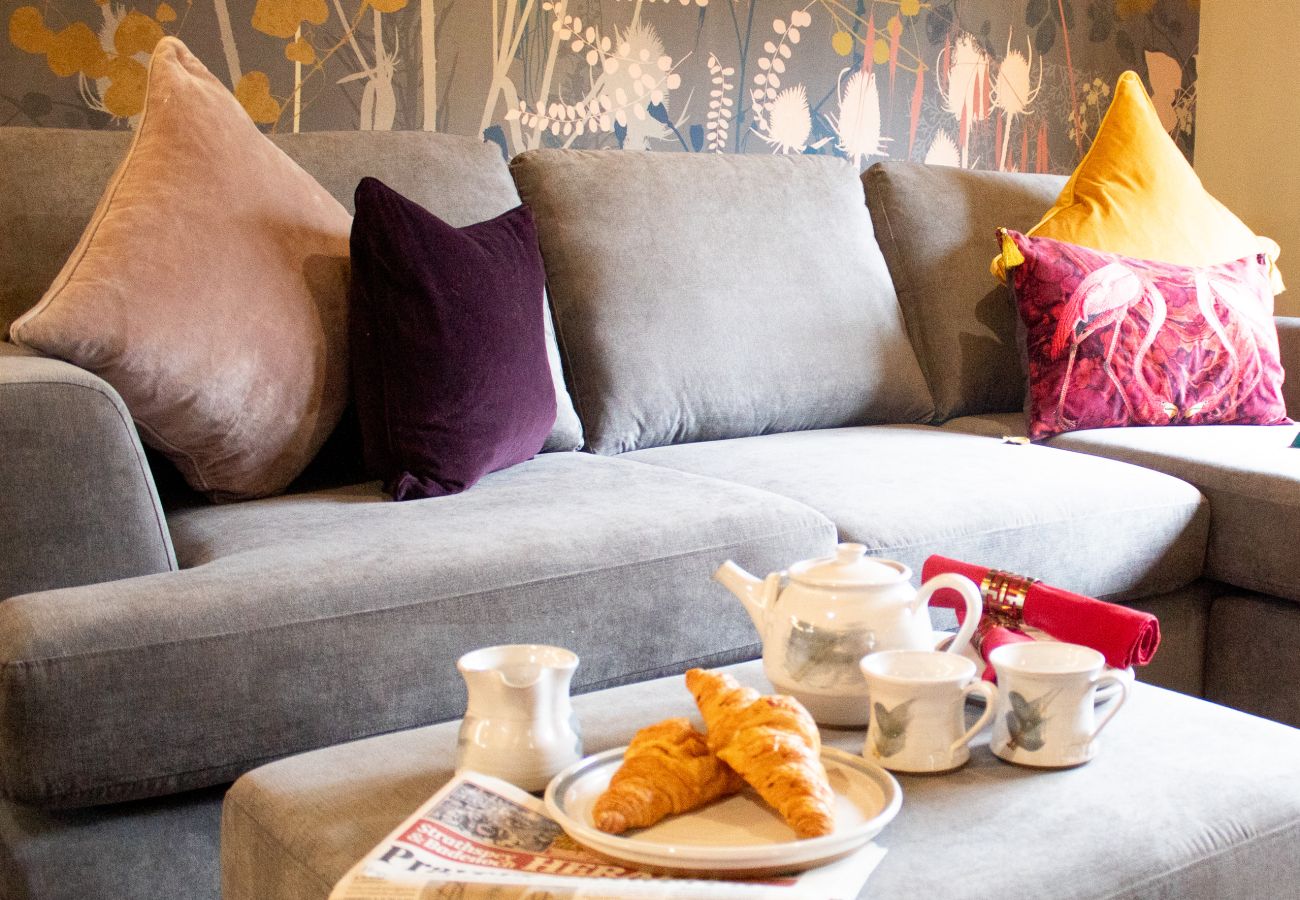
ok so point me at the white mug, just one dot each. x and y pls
(1046, 713)
(918, 709)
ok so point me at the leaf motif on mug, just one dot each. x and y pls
(891, 727)
(1026, 719)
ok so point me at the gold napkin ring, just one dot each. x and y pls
(1004, 598)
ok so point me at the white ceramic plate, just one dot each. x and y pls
(739, 836)
(1104, 693)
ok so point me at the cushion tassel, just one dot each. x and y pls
(1011, 255)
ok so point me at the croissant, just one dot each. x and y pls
(668, 768)
(773, 743)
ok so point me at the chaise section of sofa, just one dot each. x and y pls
(937, 232)
(1103, 528)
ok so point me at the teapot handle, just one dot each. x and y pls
(969, 592)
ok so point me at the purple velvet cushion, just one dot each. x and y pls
(449, 362)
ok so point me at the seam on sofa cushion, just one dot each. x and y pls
(146, 474)
(232, 804)
(84, 242)
(1153, 462)
(1207, 489)
(749, 651)
(1134, 889)
(1251, 582)
(1261, 497)
(570, 377)
(1201, 503)
(111, 793)
(48, 662)
(915, 333)
(135, 788)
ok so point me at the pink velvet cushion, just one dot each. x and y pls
(210, 290)
(1112, 340)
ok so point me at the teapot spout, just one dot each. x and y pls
(757, 595)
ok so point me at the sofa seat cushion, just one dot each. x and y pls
(310, 619)
(1251, 476)
(1097, 527)
(1249, 473)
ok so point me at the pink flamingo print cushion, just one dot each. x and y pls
(1113, 341)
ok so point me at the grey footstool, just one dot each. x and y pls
(1186, 800)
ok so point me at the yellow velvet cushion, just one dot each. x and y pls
(209, 289)
(1134, 193)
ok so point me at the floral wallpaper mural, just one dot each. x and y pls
(992, 84)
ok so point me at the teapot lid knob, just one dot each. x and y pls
(847, 554)
(849, 567)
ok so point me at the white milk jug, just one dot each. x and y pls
(519, 725)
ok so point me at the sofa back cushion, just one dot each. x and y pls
(50, 182)
(936, 226)
(700, 297)
(460, 179)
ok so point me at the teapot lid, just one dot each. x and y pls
(849, 567)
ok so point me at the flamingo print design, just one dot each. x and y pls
(1103, 300)
(1116, 341)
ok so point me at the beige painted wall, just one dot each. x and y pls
(1248, 121)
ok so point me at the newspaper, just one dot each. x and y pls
(480, 837)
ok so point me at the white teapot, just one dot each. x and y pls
(834, 611)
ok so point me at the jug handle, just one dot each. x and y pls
(969, 592)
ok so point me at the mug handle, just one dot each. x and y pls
(1115, 705)
(969, 592)
(990, 694)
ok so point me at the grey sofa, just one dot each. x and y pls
(761, 364)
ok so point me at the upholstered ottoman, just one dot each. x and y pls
(1185, 800)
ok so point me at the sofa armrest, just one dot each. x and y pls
(1288, 338)
(77, 500)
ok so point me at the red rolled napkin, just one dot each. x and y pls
(1126, 637)
(991, 638)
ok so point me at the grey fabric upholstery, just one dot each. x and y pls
(700, 297)
(996, 425)
(1251, 476)
(1184, 800)
(936, 227)
(1184, 615)
(41, 220)
(306, 620)
(910, 491)
(77, 501)
(1251, 655)
(1288, 337)
(50, 183)
(1249, 473)
(148, 850)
